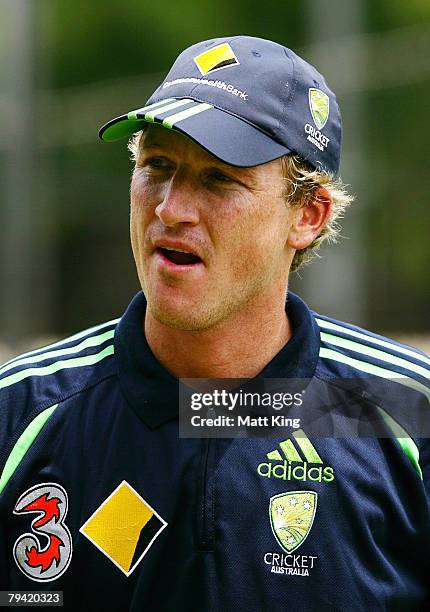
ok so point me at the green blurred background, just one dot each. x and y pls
(67, 67)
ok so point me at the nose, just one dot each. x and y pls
(179, 203)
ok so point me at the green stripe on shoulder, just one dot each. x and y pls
(56, 366)
(89, 342)
(394, 360)
(411, 451)
(86, 333)
(368, 338)
(23, 443)
(365, 366)
(406, 443)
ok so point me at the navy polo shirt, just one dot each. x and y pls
(101, 499)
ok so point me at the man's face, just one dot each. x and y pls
(234, 220)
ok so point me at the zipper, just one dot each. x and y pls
(205, 519)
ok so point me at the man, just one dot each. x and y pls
(234, 186)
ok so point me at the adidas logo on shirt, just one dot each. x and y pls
(299, 461)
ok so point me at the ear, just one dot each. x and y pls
(310, 220)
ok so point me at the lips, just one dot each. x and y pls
(178, 256)
(179, 252)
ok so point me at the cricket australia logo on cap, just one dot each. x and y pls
(221, 56)
(319, 103)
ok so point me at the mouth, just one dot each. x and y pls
(178, 257)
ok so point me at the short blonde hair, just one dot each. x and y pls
(302, 181)
(133, 145)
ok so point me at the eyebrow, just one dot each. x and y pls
(150, 145)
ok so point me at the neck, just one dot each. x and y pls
(239, 347)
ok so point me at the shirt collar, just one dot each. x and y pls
(152, 391)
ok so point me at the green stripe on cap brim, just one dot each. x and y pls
(121, 127)
(216, 131)
(126, 125)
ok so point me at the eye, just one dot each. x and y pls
(219, 176)
(157, 162)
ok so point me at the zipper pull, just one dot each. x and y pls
(211, 414)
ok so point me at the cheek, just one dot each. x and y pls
(141, 213)
(144, 193)
(143, 200)
(256, 239)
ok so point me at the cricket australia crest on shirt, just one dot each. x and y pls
(37, 560)
(291, 518)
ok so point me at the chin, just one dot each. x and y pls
(183, 320)
(187, 315)
(188, 309)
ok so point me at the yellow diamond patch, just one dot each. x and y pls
(124, 527)
(221, 56)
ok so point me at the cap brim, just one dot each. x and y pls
(225, 136)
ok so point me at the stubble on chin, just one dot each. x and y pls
(203, 315)
(188, 319)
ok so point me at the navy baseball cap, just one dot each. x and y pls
(246, 101)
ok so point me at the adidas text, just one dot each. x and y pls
(286, 471)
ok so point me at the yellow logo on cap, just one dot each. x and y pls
(124, 527)
(221, 56)
(319, 103)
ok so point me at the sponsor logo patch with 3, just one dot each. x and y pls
(38, 560)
